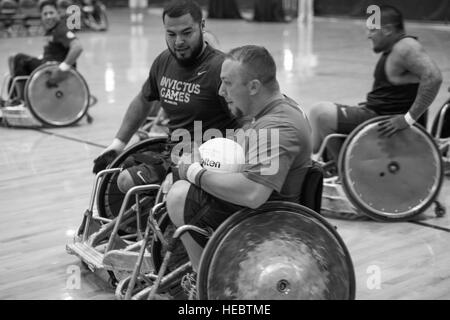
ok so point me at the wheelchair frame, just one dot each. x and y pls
(99, 242)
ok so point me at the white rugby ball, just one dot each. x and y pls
(222, 155)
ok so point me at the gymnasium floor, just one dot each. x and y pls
(46, 179)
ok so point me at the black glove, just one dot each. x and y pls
(102, 161)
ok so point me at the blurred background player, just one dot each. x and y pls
(62, 46)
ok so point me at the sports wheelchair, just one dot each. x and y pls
(387, 179)
(59, 106)
(284, 238)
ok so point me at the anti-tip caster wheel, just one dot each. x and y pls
(439, 210)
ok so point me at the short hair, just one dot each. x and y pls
(44, 3)
(178, 8)
(391, 15)
(258, 63)
(64, 4)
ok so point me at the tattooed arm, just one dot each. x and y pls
(416, 61)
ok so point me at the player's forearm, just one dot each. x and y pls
(73, 54)
(234, 188)
(427, 92)
(133, 119)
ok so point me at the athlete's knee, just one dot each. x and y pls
(323, 113)
(176, 199)
(125, 181)
(323, 117)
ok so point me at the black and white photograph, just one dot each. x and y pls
(252, 150)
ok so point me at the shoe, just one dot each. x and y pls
(330, 169)
(189, 285)
(14, 102)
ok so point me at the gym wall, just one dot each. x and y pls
(432, 10)
(435, 10)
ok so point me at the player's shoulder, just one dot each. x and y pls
(61, 27)
(214, 56)
(162, 60)
(285, 112)
(407, 46)
(62, 30)
(292, 108)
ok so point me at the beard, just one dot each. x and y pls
(189, 61)
(382, 46)
(376, 50)
(237, 113)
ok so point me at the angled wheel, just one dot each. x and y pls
(390, 179)
(280, 251)
(110, 198)
(59, 106)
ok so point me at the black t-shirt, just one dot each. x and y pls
(189, 94)
(59, 38)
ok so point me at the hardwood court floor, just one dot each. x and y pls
(46, 179)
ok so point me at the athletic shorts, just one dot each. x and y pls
(205, 211)
(349, 117)
(24, 64)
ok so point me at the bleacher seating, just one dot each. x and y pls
(19, 18)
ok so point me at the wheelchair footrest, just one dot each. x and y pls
(335, 203)
(87, 254)
(126, 261)
(19, 116)
(333, 190)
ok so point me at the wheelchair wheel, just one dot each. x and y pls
(390, 179)
(280, 251)
(61, 106)
(109, 197)
(179, 257)
(444, 116)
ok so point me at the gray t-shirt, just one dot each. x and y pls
(279, 150)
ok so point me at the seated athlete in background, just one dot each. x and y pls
(406, 82)
(207, 198)
(62, 46)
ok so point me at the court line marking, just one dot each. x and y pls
(430, 226)
(70, 138)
